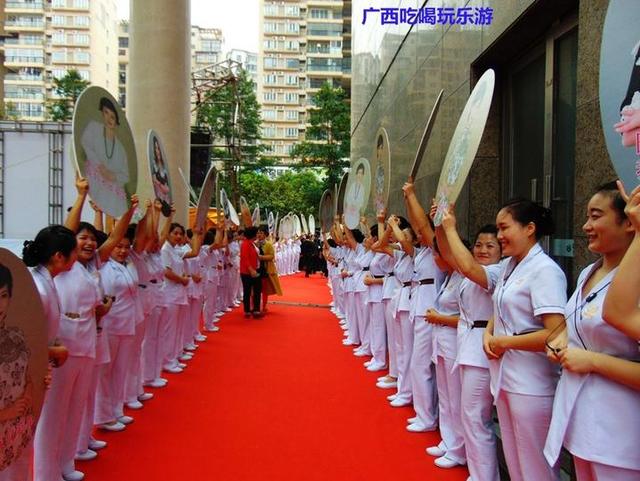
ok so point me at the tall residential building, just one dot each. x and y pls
(304, 43)
(249, 61)
(123, 61)
(206, 46)
(47, 39)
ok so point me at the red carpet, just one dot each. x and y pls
(279, 398)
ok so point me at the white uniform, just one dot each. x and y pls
(609, 440)
(120, 323)
(175, 295)
(476, 308)
(389, 293)
(353, 297)
(445, 349)
(524, 382)
(20, 469)
(403, 270)
(427, 279)
(378, 328)
(62, 416)
(363, 261)
(151, 346)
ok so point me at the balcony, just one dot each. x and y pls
(18, 60)
(20, 7)
(23, 41)
(24, 96)
(75, 22)
(324, 50)
(15, 77)
(69, 5)
(24, 25)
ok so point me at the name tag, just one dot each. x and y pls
(72, 315)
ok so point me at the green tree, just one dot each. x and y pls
(232, 115)
(328, 140)
(68, 89)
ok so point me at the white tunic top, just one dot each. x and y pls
(50, 302)
(423, 296)
(377, 269)
(403, 272)
(524, 292)
(174, 292)
(445, 338)
(80, 294)
(124, 314)
(596, 419)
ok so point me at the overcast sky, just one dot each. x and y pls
(238, 20)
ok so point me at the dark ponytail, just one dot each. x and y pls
(525, 211)
(48, 242)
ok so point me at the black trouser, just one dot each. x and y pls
(251, 285)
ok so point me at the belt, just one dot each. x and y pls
(527, 331)
(154, 281)
(407, 284)
(390, 274)
(378, 277)
(144, 286)
(424, 282)
(479, 324)
(365, 269)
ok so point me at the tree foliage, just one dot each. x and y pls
(297, 192)
(328, 140)
(68, 89)
(232, 114)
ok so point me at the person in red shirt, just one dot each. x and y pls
(249, 273)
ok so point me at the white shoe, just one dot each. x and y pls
(172, 369)
(419, 428)
(73, 476)
(135, 405)
(87, 455)
(362, 354)
(413, 420)
(145, 396)
(387, 385)
(374, 367)
(114, 427)
(200, 337)
(219, 313)
(185, 357)
(228, 309)
(190, 347)
(400, 403)
(156, 383)
(446, 463)
(212, 329)
(391, 397)
(383, 379)
(182, 365)
(125, 420)
(96, 444)
(435, 451)
(347, 342)
(367, 363)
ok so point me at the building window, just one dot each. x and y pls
(293, 28)
(268, 114)
(291, 80)
(270, 62)
(58, 20)
(270, 10)
(271, 79)
(291, 97)
(292, 11)
(82, 57)
(291, 132)
(81, 3)
(319, 13)
(268, 132)
(270, 27)
(123, 42)
(292, 115)
(269, 96)
(81, 21)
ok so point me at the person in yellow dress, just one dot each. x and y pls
(268, 270)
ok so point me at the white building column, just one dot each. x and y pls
(158, 89)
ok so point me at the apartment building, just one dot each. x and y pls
(303, 43)
(249, 61)
(44, 40)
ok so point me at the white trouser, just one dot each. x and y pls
(21, 468)
(86, 428)
(61, 418)
(477, 424)
(404, 349)
(337, 295)
(168, 333)
(378, 333)
(196, 312)
(150, 345)
(422, 372)
(111, 388)
(392, 333)
(222, 292)
(352, 317)
(590, 471)
(362, 318)
(210, 304)
(524, 424)
(449, 396)
(133, 386)
(182, 321)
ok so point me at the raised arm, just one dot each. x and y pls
(405, 243)
(164, 235)
(620, 308)
(463, 259)
(196, 244)
(140, 239)
(417, 216)
(75, 214)
(119, 230)
(98, 221)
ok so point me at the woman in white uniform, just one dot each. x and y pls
(606, 449)
(363, 261)
(353, 291)
(403, 273)
(529, 301)
(476, 308)
(51, 253)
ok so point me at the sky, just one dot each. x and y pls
(238, 20)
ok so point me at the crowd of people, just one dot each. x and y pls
(123, 303)
(461, 328)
